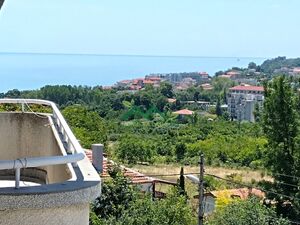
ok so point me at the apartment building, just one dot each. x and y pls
(242, 101)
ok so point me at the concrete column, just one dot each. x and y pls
(98, 157)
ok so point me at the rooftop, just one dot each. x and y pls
(247, 88)
(184, 112)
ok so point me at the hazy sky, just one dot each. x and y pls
(264, 28)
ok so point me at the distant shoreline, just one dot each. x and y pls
(133, 55)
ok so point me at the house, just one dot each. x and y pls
(211, 198)
(233, 74)
(204, 77)
(184, 112)
(242, 100)
(145, 183)
(207, 86)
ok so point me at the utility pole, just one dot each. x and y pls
(201, 191)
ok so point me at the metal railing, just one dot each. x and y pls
(73, 148)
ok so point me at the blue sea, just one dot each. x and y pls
(32, 71)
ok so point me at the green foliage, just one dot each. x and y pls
(172, 210)
(218, 108)
(280, 123)
(166, 90)
(181, 182)
(270, 65)
(132, 149)
(116, 196)
(87, 126)
(118, 204)
(180, 150)
(249, 212)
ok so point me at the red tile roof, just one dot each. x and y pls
(247, 88)
(148, 82)
(154, 78)
(184, 112)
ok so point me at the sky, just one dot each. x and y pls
(222, 28)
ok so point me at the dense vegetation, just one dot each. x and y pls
(121, 204)
(249, 212)
(140, 127)
(270, 65)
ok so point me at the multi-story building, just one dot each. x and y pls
(242, 101)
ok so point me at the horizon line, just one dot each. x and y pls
(133, 55)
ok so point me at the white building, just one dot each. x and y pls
(242, 101)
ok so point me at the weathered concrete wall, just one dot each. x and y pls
(66, 199)
(69, 215)
(26, 135)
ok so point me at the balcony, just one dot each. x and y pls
(45, 177)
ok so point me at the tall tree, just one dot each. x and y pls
(280, 125)
(181, 182)
(218, 108)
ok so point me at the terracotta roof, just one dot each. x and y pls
(148, 82)
(154, 78)
(134, 176)
(247, 88)
(242, 193)
(184, 112)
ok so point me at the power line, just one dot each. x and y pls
(177, 174)
(285, 175)
(249, 186)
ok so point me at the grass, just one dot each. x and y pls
(247, 175)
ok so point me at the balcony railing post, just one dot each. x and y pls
(69, 146)
(17, 178)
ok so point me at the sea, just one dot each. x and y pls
(33, 71)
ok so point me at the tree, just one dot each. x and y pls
(252, 65)
(218, 108)
(87, 126)
(249, 212)
(116, 196)
(171, 210)
(122, 204)
(280, 125)
(181, 182)
(133, 148)
(180, 151)
(166, 89)
(257, 113)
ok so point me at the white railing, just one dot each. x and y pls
(74, 150)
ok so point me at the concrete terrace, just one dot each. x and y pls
(45, 175)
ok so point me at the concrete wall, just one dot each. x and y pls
(68, 215)
(27, 135)
(65, 199)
